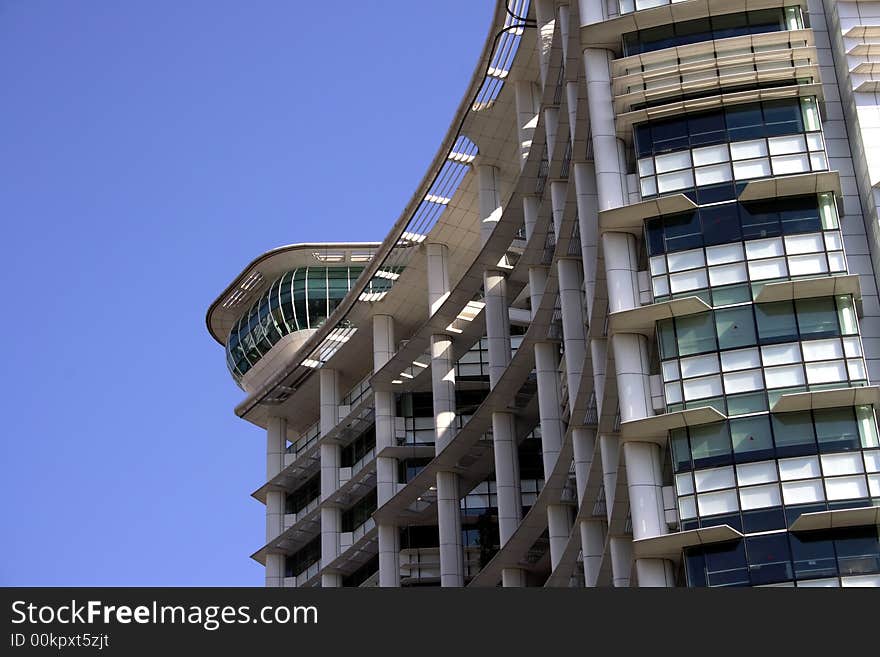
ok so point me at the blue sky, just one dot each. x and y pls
(149, 149)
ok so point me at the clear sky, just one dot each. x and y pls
(149, 149)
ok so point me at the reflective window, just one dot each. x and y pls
(730, 222)
(705, 29)
(785, 557)
(299, 299)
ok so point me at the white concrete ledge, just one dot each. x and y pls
(631, 218)
(804, 288)
(643, 320)
(865, 516)
(834, 398)
(796, 185)
(655, 429)
(669, 546)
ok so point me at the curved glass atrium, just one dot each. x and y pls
(301, 299)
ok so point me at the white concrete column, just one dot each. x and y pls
(592, 547)
(528, 104)
(274, 570)
(558, 530)
(558, 194)
(386, 468)
(644, 476)
(490, 200)
(610, 174)
(449, 524)
(598, 352)
(389, 556)
(530, 215)
(621, 560)
(571, 301)
(537, 283)
(331, 516)
(633, 378)
(588, 223)
(546, 18)
(564, 27)
(571, 97)
(621, 271)
(497, 316)
(551, 129)
(609, 451)
(276, 445)
(275, 500)
(438, 275)
(443, 392)
(583, 444)
(443, 387)
(552, 435)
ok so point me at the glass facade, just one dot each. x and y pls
(300, 299)
(723, 26)
(824, 558)
(710, 155)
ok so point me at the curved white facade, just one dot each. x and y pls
(624, 334)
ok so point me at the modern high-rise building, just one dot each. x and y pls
(624, 333)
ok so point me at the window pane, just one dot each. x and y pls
(858, 551)
(744, 122)
(817, 318)
(800, 215)
(793, 433)
(654, 236)
(736, 327)
(836, 429)
(726, 565)
(669, 135)
(782, 117)
(720, 223)
(813, 556)
(666, 333)
(681, 453)
(776, 322)
(751, 437)
(710, 445)
(759, 220)
(696, 334)
(769, 559)
(682, 232)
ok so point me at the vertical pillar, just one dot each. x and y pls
(443, 389)
(276, 443)
(621, 560)
(551, 129)
(528, 104)
(610, 174)
(274, 514)
(507, 479)
(546, 18)
(274, 570)
(386, 468)
(507, 476)
(331, 515)
(592, 547)
(588, 223)
(552, 432)
(490, 200)
(644, 476)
